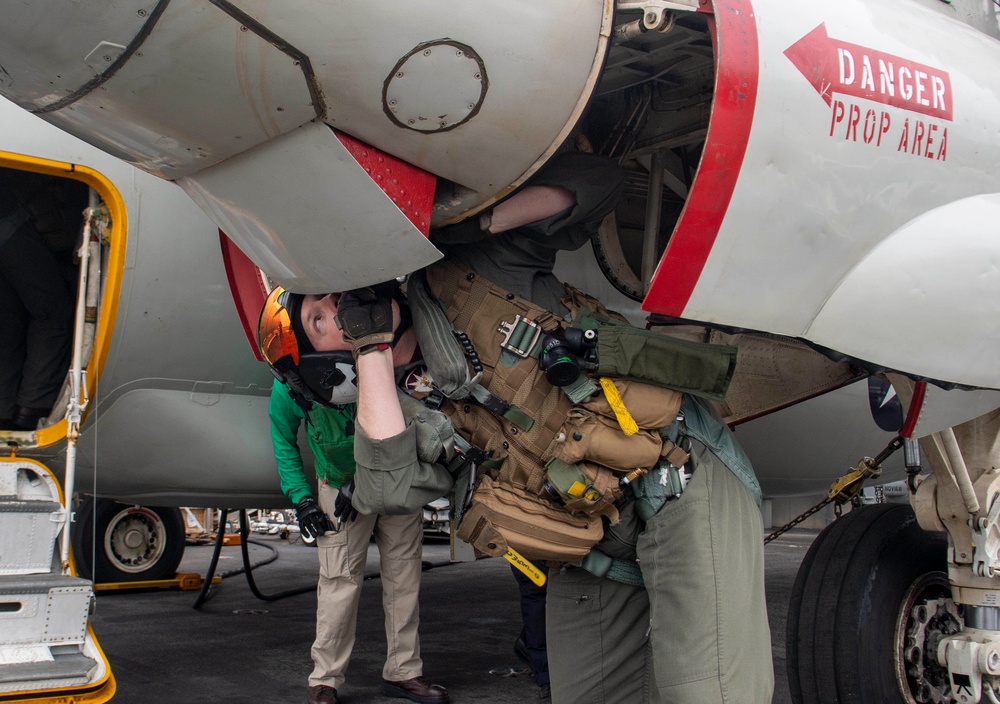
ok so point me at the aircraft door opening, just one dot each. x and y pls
(43, 211)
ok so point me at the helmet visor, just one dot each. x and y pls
(275, 335)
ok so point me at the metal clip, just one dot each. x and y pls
(433, 400)
(508, 330)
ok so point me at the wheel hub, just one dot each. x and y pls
(927, 616)
(134, 540)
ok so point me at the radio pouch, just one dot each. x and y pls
(584, 487)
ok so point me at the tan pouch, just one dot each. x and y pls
(596, 438)
(499, 516)
(651, 407)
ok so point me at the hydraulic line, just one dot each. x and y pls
(210, 574)
(247, 568)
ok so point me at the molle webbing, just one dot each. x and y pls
(477, 307)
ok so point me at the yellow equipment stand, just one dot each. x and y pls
(185, 581)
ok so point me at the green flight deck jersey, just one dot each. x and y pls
(330, 433)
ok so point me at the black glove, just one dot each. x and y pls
(312, 521)
(343, 509)
(365, 316)
(468, 231)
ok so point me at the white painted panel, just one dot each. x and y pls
(933, 286)
(818, 193)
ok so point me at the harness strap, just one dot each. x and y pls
(625, 419)
(674, 453)
(601, 565)
(580, 390)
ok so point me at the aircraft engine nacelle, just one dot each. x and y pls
(823, 171)
(235, 100)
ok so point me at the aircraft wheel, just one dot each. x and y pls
(869, 598)
(133, 543)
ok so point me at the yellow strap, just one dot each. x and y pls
(625, 419)
(521, 563)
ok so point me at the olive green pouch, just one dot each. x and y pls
(585, 488)
(627, 352)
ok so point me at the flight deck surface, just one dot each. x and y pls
(238, 649)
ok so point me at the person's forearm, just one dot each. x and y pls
(529, 205)
(378, 407)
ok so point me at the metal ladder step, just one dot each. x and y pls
(28, 535)
(31, 518)
(42, 610)
(46, 649)
(64, 669)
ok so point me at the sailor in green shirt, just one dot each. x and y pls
(329, 432)
(343, 546)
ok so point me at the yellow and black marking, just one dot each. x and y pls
(522, 563)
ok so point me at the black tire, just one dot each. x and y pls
(133, 543)
(795, 617)
(851, 601)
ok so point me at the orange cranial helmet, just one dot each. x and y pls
(328, 378)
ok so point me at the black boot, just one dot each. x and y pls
(27, 418)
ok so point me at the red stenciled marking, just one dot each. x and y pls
(409, 187)
(835, 66)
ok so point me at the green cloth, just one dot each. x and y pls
(326, 432)
(698, 631)
(625, 352)
(400, 474)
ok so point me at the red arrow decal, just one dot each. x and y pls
(835, 66)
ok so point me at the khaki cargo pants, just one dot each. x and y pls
(697, 633)
(342, 557)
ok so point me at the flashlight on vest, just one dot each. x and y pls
(565, 352)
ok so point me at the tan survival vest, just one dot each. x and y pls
(553, 466)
